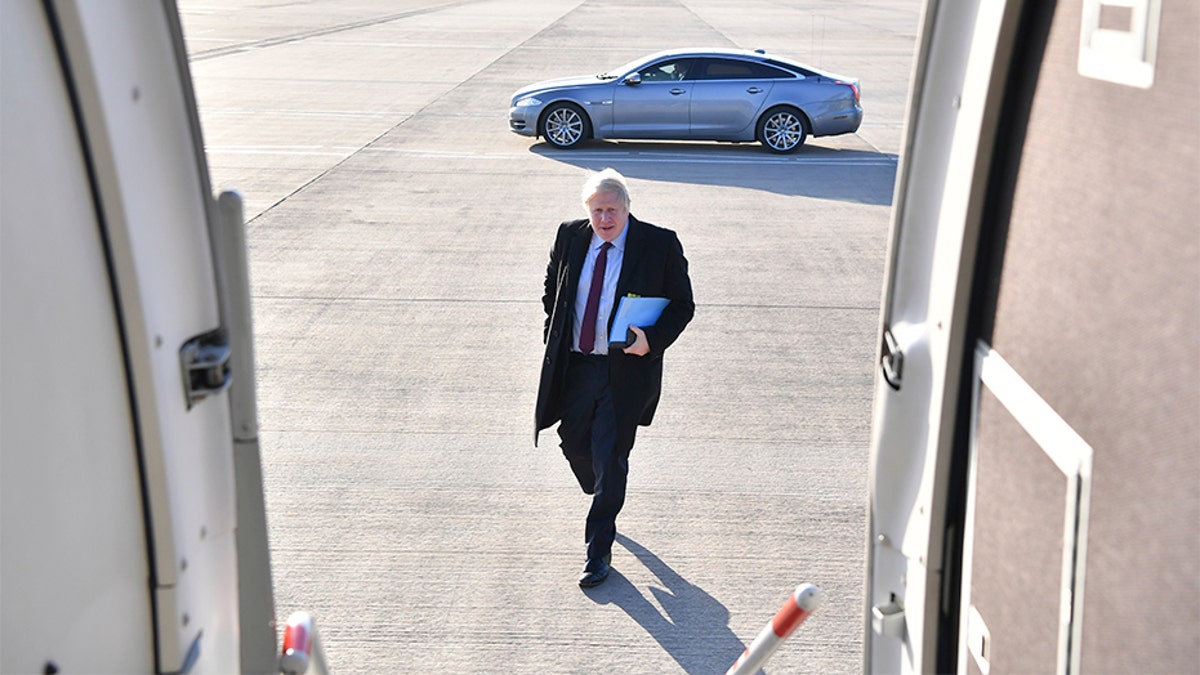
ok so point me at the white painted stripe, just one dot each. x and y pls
(276, 152)
(456, 46)
(625, 157)
(281, 148)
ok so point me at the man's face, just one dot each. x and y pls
(608, 215)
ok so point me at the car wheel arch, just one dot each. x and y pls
(770, 110)
(589, 124)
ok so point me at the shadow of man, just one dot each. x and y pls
(693, 627)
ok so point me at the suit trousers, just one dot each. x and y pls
(588, 430)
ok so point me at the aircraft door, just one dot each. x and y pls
(74, 559)
(1082, 515)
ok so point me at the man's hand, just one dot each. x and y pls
(640, 346)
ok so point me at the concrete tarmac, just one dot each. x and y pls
(399, 235)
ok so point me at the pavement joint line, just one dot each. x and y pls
(503, 301)
(306, 113)
(370, 144)
(524, 436)
(364, 298)
(657, 436)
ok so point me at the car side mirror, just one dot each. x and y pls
(633, 78)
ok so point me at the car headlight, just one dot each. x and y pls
(527, 101)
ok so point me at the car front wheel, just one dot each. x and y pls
(782, 130)
(564, 125)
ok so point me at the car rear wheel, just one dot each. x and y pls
(564, 125)
(782, 129)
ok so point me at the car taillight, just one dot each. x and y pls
(853, 87)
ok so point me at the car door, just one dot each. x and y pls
(654, 104)
(728, 95)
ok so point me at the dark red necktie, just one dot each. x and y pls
(587, 332)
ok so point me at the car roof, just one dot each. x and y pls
(709, 51)
(751, 54)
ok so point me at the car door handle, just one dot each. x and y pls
(754, 90)
(677, 91)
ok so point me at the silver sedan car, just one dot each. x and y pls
(692, 94)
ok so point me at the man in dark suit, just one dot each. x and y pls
(600, 395)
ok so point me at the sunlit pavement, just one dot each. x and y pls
(399, 235)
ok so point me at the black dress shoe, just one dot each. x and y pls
(594, 572)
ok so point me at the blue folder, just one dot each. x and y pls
(634, 311)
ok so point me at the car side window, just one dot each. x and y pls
(666, 71)
(721, 69)
(789, 71)
(764, 71)
(733, 69)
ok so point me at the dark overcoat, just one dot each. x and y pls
(653, 266)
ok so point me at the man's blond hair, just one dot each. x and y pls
(608, 181)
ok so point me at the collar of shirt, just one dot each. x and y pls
(618, 243)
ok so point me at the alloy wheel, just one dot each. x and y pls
(783, 131)
(564, 127)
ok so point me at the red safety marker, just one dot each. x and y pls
(797, 608)
(297, 644)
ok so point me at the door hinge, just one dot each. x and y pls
(205, 361)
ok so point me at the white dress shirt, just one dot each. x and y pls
(608, 292)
